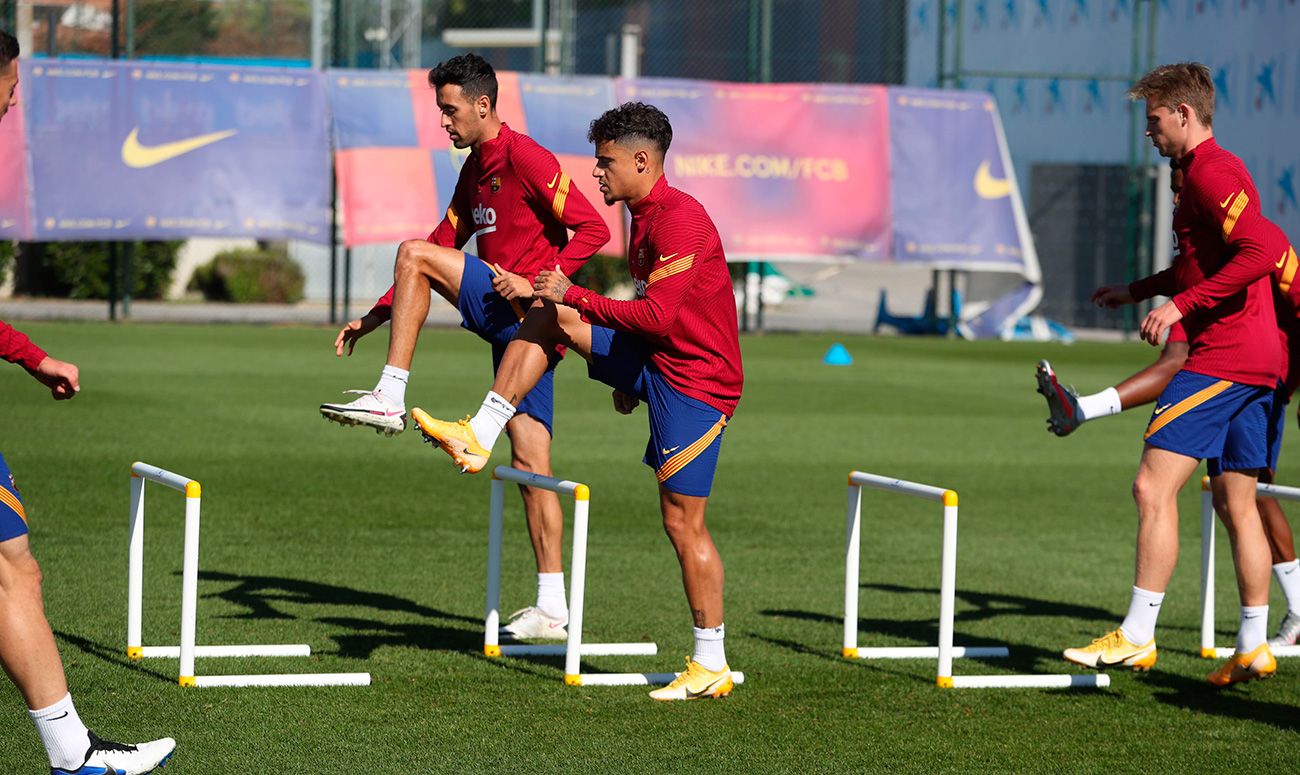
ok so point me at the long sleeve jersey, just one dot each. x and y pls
(685, 308)
(1219, 279)
(514, 198)
(15, 347)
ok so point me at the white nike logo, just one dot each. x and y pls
(139, 156)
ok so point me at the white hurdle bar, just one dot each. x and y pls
(575, 649)
(187, 651)
(945, 652)
(1208, 648)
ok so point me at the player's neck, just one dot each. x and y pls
(652, 178)
(1195, 138)
(491, 131)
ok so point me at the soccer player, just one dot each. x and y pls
(1218, 405)
(515, 200)
(1067, 411)
(675, 346)
(27, 649)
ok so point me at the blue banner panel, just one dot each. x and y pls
(560, 110)
(372, 109)
(952, 193)
(161, 151)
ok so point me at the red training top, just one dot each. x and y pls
(15, 347)
(685, 307)
(513, 196)
(1219, 277)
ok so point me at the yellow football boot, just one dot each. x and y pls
(1114, 650)
(697, 682)
(456, 439)
(1253, 665)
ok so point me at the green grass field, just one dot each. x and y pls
(373, 550)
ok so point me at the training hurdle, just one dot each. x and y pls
(574, 649)
(945, 652)
(187, 651)
(1208, 649)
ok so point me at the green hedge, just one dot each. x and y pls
(250, 275)
(80, 270)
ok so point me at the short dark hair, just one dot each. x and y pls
(471, 73)
(8, 48)
(632, 120)
(1169, 86)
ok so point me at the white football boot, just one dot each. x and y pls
(372, 409)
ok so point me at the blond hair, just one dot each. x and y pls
(1169, 86)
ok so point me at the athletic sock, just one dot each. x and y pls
(1102, 404)
(491, 419)
(65, 737)
(1254, 627)
(1143, 610)
(550, 595)
(709, 650)
(1288, 578)
(392, 383)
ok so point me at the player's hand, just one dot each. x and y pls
(509, 285)
(354, 331)
(1158, 321)
(1112, 296)
(551, 285)
(625, 403)
(59, 376)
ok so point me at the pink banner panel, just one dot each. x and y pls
(786, 171)
(387, 194)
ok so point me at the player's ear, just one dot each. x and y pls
(484, 105)
(642, 160)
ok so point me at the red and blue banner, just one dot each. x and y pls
(162, 151)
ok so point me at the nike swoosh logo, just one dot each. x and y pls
(552, 183)
(1225, 202)
(690, 695)
(1280, 261)
(1161, 409)
(989, 187)
(59, 718)
(665, 258)
(671, 451)
(139, 156)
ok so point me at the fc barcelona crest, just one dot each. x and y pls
(496, 183)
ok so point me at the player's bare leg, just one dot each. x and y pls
(1281, 545)
(1160, 475)
(27, 647)
(420, 267)
(530, 448)
(546, 326)
(1234, 499)
(707, 673)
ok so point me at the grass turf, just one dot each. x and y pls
(373, 551)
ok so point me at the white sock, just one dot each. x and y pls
(1254, 627)
(491, 419)
(1143, 610)
(550, 595)
(1102, 404)
(1288, 578)
(65, 737)
(392, 383)
(709, 650)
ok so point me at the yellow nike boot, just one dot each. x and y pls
(1114, 650)
(455, 438)
(697, 682)
(1253, 665)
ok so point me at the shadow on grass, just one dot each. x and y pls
(258, 595)
(1235, 702)
(115, 656)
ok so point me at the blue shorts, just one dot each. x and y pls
(484, 312)
(685, 433)
(1207, 417)
(1276, 425)
(13, 520)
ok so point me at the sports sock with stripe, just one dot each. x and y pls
(1143, 610)
(66, 739)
